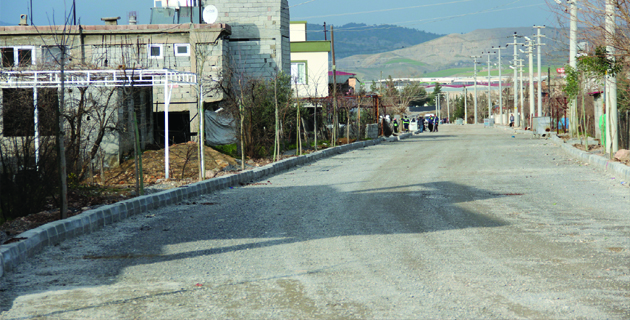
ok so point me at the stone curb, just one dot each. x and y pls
(615, 168)
(11, 255)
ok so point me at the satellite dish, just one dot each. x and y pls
(210, 14)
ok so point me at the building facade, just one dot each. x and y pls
(309, 63)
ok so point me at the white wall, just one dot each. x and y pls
(317, 73)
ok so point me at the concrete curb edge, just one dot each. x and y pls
(615, 168)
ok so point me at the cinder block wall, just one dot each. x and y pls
(259, 44)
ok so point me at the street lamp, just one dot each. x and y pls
(572, 51)
(475, 66)
(500, 84)
(489, 92)
(516, 79)
(538, 45)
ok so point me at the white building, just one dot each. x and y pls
(309, 63)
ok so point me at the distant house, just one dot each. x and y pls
(309, 63)
(346, 82)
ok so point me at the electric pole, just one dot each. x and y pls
(500, 84)
(530, 52)
(465, 106)
(489, 80)
(475, 66)
(611, 81)
(516, 79)
(538, 45)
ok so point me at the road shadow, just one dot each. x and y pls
(275, 215)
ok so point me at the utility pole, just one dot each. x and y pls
(538, 45)
(437, 105)
(475, 66)
(325, 32)
(334, 67)
(489, 92)
(611, 81)
(465, 106)
(572, 60)
(448, 108)
(516, 80)
(520, 85)
(530, 52)
(500, 85)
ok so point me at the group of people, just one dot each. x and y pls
(432, 122)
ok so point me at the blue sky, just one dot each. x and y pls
(438, 16)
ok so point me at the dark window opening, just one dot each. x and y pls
(8, 58)
(178, 127)
(25, 57)
(18, 112)
(155, 51)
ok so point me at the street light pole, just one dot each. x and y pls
(500, 85)
(611, 81)
(489, 92)
(530, 52)
(475, 75)
(520, 85)
(516, 79)
(538, 45)
(448, 108)
(572, 60)
(465, 106)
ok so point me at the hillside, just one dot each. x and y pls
(360, 38)
(448, 52)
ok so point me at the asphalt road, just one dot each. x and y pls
(465, 223)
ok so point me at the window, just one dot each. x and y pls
(182, 49)
(298, 72)
(25, 57)
(18, 114)
(156, 51)
(51, 55)
(21, 56)
(8, 57)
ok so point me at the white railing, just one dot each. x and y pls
(98, 78)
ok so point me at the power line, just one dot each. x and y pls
(424, 21)
(384, 10)
(299, 4)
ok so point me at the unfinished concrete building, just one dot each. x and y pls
(249, 37)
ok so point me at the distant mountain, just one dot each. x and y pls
(448, 52)
(360, 38)
(2, 23)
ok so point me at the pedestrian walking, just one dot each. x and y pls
(511, 120)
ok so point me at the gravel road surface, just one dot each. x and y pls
(465, 223)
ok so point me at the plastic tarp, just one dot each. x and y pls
(220, 128)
